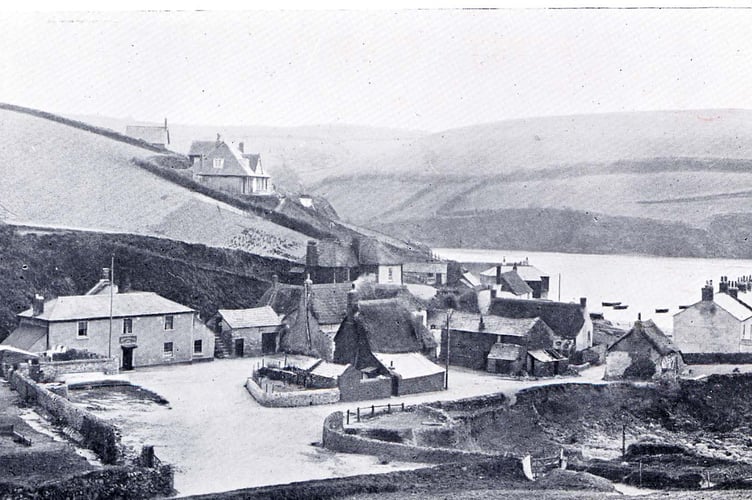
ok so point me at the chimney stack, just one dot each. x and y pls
(106, 274)
(733, 290)
(493, 293)
(583, 302)
(498, 275)
(312, 254)
(723, 285)
(352, 302)
(37, 305)
(707, 292)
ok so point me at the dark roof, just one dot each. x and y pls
(199, 148)
(329, 302)
(25, 337)
(371, 252)
(391, 327)
(283, 298)
(512, 282)
(565, 319)
(369, 291)
(149, 133)
(493, 325)
(650, 332)
(235, 164)
(335, 254)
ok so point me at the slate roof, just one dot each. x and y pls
(545, 355)
(493, 325)
(371, 252)
(235, 163)
(24, 337)
(250, 318)
(565, 319)
(335, 254)
(526, 272)
(505, 352)
(425, 267)
(408, 365)
(650, 332)
(328, 370)
(511, 282)
(391, 327)
(153, 134)
(471, 280)
(329, 302)
(736, 308)
(82, 307)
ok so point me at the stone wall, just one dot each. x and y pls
(295, 398)
(99, 436)
(429, 383)
(356, 389)
(51, 370)
(335, 438)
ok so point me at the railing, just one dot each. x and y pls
(370, 411)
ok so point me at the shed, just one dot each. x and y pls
(411, 372)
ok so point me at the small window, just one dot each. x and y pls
(168, 349)
(83, 328)
(169, 322)
(198, 346)
(218, 162)
(128, 325)
(390, 274)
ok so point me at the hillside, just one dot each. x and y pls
(60, 176)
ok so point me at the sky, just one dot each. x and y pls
(416, 69)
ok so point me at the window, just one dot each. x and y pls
(218, 162)
(746, 334)
(128, 325)
(168, 322)
(198, 346)
(168, 349)
(390, 274)
(83, 328)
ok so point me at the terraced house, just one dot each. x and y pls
(145, 329)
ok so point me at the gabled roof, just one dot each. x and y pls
(24, 337)
(505, 352)
(408, 365)
(470, 280)
(649, 332)
(153, 134)
(328, 370)
(425, 267)
(83, 307)
(511, 282)
(371, 252)
(526, 271)
(736, 308)
(492, 325)
(234, 163)
(565, 319)
(250, 318)
(390, 327)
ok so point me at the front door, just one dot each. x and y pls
(239, 346)
(269, 343)
(395, 386)
(128, 358)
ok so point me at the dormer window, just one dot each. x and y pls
(218, 162)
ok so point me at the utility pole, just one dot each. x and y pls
(112, 284)
(559, 299)
(446, 354)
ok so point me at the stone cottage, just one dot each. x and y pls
(643, 353)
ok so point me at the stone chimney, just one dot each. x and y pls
(583, 302)
(493, 293)
(498, 275)
(352, 302)
(37, 305)
(219, 140)
(312, 254)
(733, 290)
(707, 292)
(723, 285)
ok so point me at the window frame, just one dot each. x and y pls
(127, 326)
(200, 343)
(85, 329)
(218, 162)
(168, 353)
(171, 318)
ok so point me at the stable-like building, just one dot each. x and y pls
(249, 332)
(155, 135)
(140, 328)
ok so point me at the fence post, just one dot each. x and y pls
(373, 410)
(403, 406)
(358, 412)
(348, 417)
(389, 407)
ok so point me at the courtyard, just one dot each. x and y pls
(219, 438)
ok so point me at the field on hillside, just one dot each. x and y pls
(55, 175)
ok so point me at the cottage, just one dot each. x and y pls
(570, 322)
(228, 168)
(534, 278)
(719, 323)
(432, 273)
(158, 136)
(146, 329)
(383, 337)
(644, 352)
(249, 332)
(501, 345)
(329, 261)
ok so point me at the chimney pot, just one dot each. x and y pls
(707, 292)
(498, 275)
(583, 302)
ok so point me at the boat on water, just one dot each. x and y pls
(621, 306)
(661, 310)
(610, 304)
(684, 307)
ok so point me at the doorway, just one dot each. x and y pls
(239, 347)
(128, 358)
(269, 343)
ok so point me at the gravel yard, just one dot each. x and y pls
(219, 438)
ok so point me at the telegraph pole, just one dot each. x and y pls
(112, 284)
(446, 354)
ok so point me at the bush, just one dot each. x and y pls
(641, 368)
(73, 354)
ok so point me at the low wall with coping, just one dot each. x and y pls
(335, 438)
(99, 436)
(51, 370)
(295, 398)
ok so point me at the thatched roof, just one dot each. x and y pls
(649, 332)
(390, 327)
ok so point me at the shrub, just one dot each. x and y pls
(72, 354)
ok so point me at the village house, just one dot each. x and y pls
(228, 168)
(248, 332)
(383, 337)
(644, 353)
(329, 261)
(500, 277)
(502, 345)
(718, 323)
(432, 273)
(570, 322)
(146, 329)
(158, 136)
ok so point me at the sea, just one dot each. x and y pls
(643, 283)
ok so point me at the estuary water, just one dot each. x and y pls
(644, 283)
